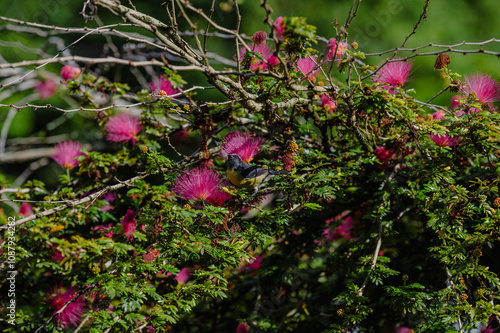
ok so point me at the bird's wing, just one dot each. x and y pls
(279, 172)
(253, 171)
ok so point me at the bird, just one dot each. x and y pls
(248, 175)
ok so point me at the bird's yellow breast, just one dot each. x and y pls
(240, 181)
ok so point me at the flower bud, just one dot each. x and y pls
(259, 37)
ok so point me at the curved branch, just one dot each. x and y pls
(72, 203)
(93, 61)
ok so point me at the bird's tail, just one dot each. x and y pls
(279, 172)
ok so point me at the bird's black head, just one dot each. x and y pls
(233, 161)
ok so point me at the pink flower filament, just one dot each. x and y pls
(123, 128)
(69, 73)
(308, 66)
(444, 140)
(163, 84)
(129, 224)
(244, 144)
(198, 184)
(395, 74)
(66, 153)
(335, 50)
(486, 88)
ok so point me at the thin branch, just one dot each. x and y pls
(57, 55)
(447, 47)
(422, 17)
(93, 61)
(21, 190)
(81, 292)
(84, 321)
(56, 28)
(374, 261)
(381, 231)
(439, 93)
(434, 53)
(193, 27)
(112, 106)
(111, 188)
(5, 130)
(76, 202)
(29, 170)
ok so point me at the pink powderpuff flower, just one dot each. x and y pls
(129, 224)
(345, 229)
(438, 115)
(219, 197)
(254, 264)
(25, 209)
(486, 88)
(56, 254)
(180, 135)
(151, 255)
(105, 228)
(269, 59)
(488, 329)
(328, 103)
(200, 183)
(328, 234)
(182, 276)
(455, 104)
(66, 154)
(383, 154)
(246, 145)
(144, 329)
(69, 73)
(163, 84)
(279, 27)
(265, 59)
(123, 128)
(308, 66)
(335, 50)
(403, 329)
(395, 74)
(242, 328)
(72, 313)
(46, 89)
(444, 140)
(109, 197)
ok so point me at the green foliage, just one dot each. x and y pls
(298, 35)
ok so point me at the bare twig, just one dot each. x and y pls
(92, 61)
(5, 130)
(421, 18)
(48, 61)
(77, 202)
(21, 190)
